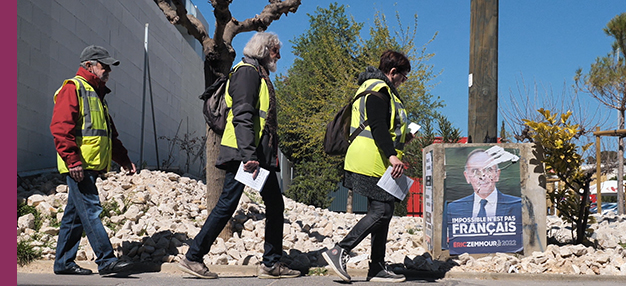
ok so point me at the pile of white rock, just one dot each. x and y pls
(153, 216)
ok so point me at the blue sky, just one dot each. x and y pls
(540, 41)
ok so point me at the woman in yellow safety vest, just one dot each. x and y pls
(376, 148)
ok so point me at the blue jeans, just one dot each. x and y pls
(226, 206)
(82, 213)
(375, 222)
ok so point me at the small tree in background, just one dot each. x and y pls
(556, 137)
(330, 54)
(413, 156)
(606, 82)
(424, 137)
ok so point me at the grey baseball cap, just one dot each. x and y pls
(98, 53)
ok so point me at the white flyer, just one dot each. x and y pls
(396, 187)
(414, 127)
(247, 179)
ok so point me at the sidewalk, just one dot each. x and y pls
(171, 269)
(45, 266)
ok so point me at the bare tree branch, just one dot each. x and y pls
(169, 11)
(270, 13)
(218, 50)
(178, 16)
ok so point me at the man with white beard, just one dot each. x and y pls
(250, 139)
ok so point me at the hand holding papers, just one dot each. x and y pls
(396, 187)
(248, 179)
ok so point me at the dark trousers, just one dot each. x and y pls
(226, 206)
(375, 222)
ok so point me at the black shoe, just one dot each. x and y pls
(74, 270)
(116, 267)
(380, 273)
(337, 258)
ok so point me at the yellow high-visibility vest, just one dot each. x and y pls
(262, 105)
(363, 156)
(93, 135)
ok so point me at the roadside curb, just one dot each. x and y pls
(46, 266)
(531, 277)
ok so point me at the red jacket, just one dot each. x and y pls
(65, 115)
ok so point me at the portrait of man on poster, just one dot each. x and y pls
(483, 173)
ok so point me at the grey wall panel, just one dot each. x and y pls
(50, 37)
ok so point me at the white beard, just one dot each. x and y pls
(271, 65)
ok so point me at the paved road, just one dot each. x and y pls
(169, 279)
(40, 273)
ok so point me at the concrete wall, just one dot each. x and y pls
(50, 38)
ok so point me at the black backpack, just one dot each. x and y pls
(214, 108)
(337, 137)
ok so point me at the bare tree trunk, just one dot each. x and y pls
(583, 216)
(349, 201)
(214, 177)
(620, 167)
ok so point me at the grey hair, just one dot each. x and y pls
(84, 64)
(259, 45)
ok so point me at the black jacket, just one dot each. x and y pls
(244, 90)
(379, 111)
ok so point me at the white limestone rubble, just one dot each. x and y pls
(154, 215)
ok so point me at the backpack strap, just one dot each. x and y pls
(365, 123)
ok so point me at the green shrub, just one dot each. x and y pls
(24, 209)
(318, 271)
(26, 253)
(108, 207)
(54, 222)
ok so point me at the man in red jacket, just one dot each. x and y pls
(86, 142)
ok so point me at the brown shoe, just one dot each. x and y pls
(197, 269)
(278, 270)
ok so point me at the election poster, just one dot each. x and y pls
(482, 200)
(428, 200)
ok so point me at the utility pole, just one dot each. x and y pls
(483, 72)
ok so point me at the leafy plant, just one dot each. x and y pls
(142, 232)
(254, 196)
(54, 222)
(110, 207)
(26, 253)
(556, 138)
(24, 209)
(318, 271)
